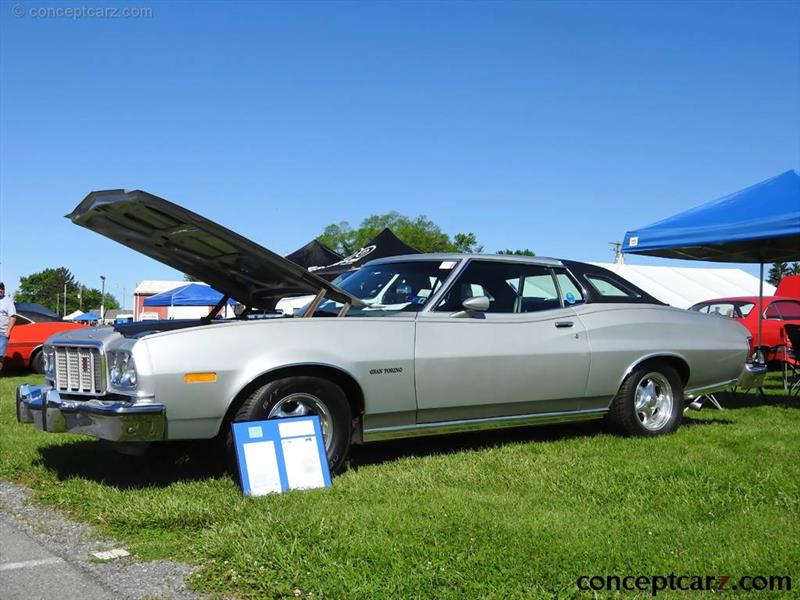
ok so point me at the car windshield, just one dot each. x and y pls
(391, 287)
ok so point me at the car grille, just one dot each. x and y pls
(79, 370)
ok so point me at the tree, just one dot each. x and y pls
(524, 252)
(780, 270)
(339, 237)
(47, 288)
(419, 232)
(91, 300)
(467, 243)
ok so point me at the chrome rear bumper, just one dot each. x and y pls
(752, 375)
(115, 421)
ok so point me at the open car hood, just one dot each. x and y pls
(198, 247)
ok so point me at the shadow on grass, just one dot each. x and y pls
(169, 463)
(688, 421)
(166, 464)
(161, 466)
(753, 399)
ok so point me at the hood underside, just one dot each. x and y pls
(190, 243)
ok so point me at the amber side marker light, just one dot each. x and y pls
(199, 377)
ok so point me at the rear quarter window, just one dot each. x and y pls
(784, 310)
(608, 288)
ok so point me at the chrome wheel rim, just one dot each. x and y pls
(303, 405)
(653, 401)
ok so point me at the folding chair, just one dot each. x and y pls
(793, 354)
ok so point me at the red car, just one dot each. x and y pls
(778, 311)
(27, 337)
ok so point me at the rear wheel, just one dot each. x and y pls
(650, 401)
(299, 397)
(37, 362)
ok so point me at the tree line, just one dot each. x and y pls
(47, 288)
(418, 232)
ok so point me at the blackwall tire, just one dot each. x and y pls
(37, 362)
(299, 396)
(649, 402)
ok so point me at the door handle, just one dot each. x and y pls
(561, 324)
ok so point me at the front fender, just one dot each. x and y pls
(239, 353)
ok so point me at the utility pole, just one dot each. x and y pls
(65, 298)
(121, 287)
(619, 258)
(102, 297)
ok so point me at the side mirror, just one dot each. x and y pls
(471, 306)
(476, 303)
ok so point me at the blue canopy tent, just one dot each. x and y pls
(191, 294)
(759, 224)
(89, 316)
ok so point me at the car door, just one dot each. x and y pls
(528, 353)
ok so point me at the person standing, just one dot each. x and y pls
(8, 317)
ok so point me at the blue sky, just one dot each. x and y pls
(553, 126)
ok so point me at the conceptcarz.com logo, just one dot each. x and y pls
(82, 12)
(683, 583)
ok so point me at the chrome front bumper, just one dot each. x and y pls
(115, 421)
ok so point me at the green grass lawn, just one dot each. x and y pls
(512, 514)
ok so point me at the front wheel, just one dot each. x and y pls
(300, 397)
(649, 403)
(37, 362)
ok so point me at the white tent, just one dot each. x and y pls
(684, 286)
(71, 316)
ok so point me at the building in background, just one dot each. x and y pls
(147, 288)
(182, 308)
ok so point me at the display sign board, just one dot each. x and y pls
(280, 454)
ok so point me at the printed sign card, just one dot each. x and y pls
(280, 454)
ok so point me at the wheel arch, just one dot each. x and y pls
(33, 352)
(676, 361)
(351, 388)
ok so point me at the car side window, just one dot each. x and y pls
(510, 287)
(724, 309)
(784, 310)
(790, 311)
(745, 308)
(538, 292)
(608, 288)
(570, 293)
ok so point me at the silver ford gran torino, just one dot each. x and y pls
(406, 346)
